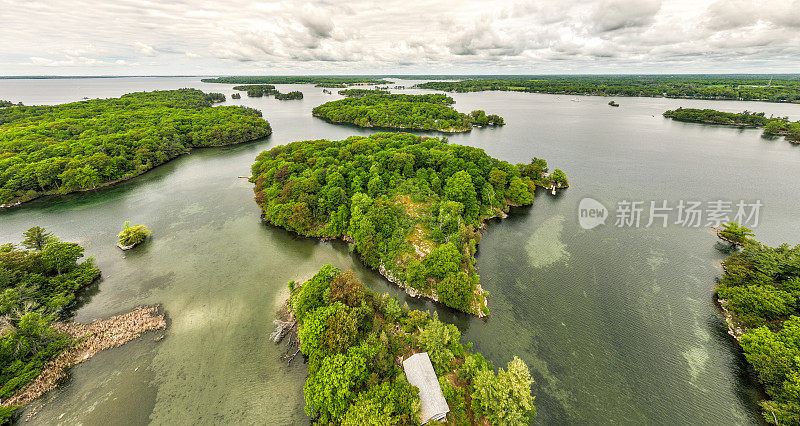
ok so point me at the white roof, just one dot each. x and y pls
(419, 372)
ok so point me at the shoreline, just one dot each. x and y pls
(92, 338)
(391, 128)
(54, 193)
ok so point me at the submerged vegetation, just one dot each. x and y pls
(83, 145)
(410, 205)
(331, 81)
(760, 293)
(775, 126)
(395, 111)
(754, 88)
(355, 341)
(38, 282)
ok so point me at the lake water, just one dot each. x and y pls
(618, 325)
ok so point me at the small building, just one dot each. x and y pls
(419, 372)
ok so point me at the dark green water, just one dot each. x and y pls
(617, 325)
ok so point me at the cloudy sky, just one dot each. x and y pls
(145, 37)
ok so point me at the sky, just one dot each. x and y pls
(244, 37)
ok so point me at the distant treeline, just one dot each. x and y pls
(756, 88)
(395, 111)
(777, 126)
(4, 104)
(82, 145)
(331, 81)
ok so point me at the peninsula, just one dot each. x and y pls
(80, 146)
(773, 126)
(759, 293)
(356, 340)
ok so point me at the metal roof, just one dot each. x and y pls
(419, 372)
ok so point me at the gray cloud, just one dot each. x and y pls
(416, 36)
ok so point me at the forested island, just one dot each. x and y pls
(289, 96)
(359, 93)
(355, 341)
(773, 126)
(259, 90)
(411, 206)
(39, 282)
(84, 145)
(329, 81)
(4, 104)
(406, 112)
(759, 293)
(785, 88)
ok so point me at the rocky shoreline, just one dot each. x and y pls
(92, 338)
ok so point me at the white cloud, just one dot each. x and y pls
(144, 49)
(414, 36)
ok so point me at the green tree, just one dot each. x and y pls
(61, 256)
(132, 234)
(36, 238)
(505, 398)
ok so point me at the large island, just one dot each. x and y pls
(411, 206)
(84, 145)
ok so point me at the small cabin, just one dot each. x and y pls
(419, 372)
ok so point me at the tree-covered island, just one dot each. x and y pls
(289, 96)
(320, 81)
(767, 88)
(411, 206)
(84, 145)
(407, 112)
(773, 126)
(355, 341)
(759, 293)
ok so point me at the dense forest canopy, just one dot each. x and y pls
(772, 125)
(71, 147)
(408, 112)
(756, 88)
(761, 290)
(37, 282)
(355, 341)
(411, 205)
(321, 81)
